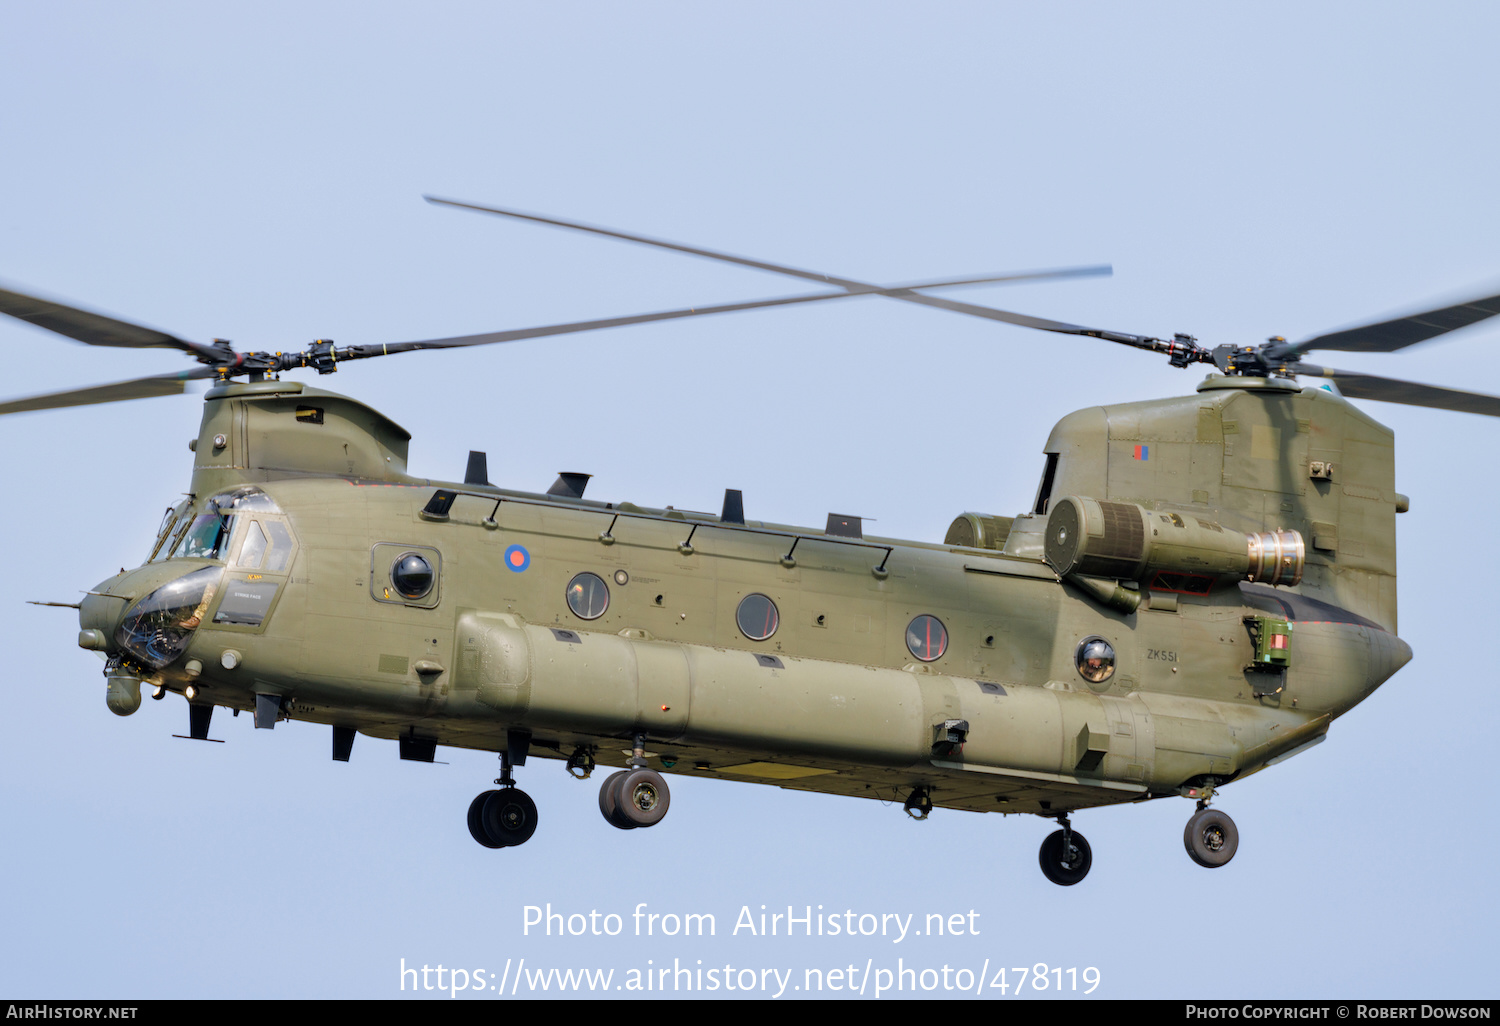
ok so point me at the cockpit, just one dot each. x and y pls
(207, 534)
(240, 547)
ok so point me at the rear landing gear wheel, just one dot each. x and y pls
(1211, 838)
(609, 800)
(508, 816)
(643, 798)
(476, 821)
(1065, 857)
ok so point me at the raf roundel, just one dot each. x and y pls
(517, 558)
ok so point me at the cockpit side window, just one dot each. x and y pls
(281, 547)
(254, 549)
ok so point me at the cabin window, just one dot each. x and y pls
(926, 638)
(757, 617)
(413, 576)
(1095, 660)
(408, 575)
(588, 596)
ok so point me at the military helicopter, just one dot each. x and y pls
(1202, 585)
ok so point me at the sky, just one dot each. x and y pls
(256, 172)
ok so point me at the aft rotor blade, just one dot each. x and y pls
(516, 335)
(1409, 393)
(848, 283)
(1389, 336)
(1027, 321)
(136, 388)
(92, 328)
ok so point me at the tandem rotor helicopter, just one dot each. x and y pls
(1202, 585)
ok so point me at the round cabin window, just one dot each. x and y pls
(757, 617)
(926, 638)
(588, 596)
(412, 576)
(1095, 660)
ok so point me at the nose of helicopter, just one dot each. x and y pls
(147, 614)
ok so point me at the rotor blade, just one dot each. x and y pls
(795, 272)
(853, 286)
(515, 335)
(1409, 393)
(136, 388)
(1090, 271)
(95, 329)
(1026, 320)
(1140, 341)
(1389, 336)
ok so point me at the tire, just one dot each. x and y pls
(643, 798)
(1211, 838)
(509, 816)
(476, 820)
(609, 800)
(1065, 874)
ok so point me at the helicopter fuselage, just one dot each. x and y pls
(807, 658)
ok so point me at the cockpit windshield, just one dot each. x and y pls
(207, 537)
(171, 524)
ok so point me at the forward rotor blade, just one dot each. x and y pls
(136, 388)
(1409, 393)
(487, 338)
(94, 329)
(1389, 336)
(906, 293)
(516, 335)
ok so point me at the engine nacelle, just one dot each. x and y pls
(1093, 538)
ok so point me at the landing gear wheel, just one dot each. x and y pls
(644, 798)
(1065, 868)
(609, 800)
(509, 816)
(1211, 838)
(476, 820)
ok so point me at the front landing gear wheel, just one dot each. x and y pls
(1211, 838)
(476, 821)
(1065, 867)
(508, 816)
